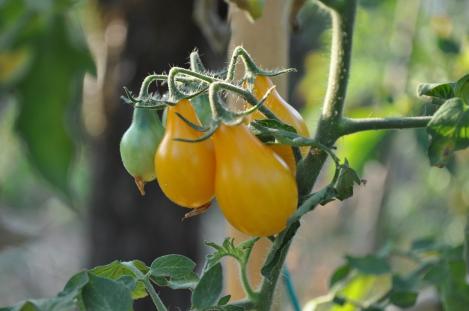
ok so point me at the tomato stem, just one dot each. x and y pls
(252, 295)
(148, 286)
(250, 66)
(147, 82)
(327, 132)
(177, 94)
(196, 63)
(243, 264)
(350, 126)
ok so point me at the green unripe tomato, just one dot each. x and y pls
(139, 144)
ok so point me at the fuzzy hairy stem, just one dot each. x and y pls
(252, 295)
(148, 286)
(328, 130)
(341, 51)
(350, 126)
(174, 91)
(245, 57)
(148, 81)
(329, 124)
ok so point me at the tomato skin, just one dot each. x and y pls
(139, 143)
(285, 113)
(185, 171)
(283, 110)
(254, 187)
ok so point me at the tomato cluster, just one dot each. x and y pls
(254, 183)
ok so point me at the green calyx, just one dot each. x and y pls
(139, 144)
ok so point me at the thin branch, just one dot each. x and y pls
(350, 126)
(341, 52)
(328, 131)
(154, 296)
(148, 286)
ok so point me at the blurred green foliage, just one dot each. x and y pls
(43, 58)
(398, 45)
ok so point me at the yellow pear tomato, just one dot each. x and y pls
(254, 187)
(285, 113)
(185, 171)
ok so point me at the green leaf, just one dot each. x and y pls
(228, 248)
(224, 300)
(76, 283)
(102, 294)
(339, 274)
(363, 289)
(448, 45)
(128, 282)
(52, 86)
(438, 90)
(403, 299)
(279, 250)
(208, 289)
(423, 244)
(116, 270)
(174, 266)
(436, 274)
(273, 124)
(345, 182)
(269, 131)
(174, 271)
(449, 131)
(188, 281)
(64, 301)
(202, 108)
(321, 197)
(51, 304)
(339, 300)
(369, 264)
(462, 89)
(455, 290)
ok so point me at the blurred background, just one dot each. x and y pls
(67, 203)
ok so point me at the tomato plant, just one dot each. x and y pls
(260, 164)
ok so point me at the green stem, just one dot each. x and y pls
(196, 62)
(174, 92)
(252, 295)
(249, 64)
(328, 128)
(251, 99)
(341, 51)
(268, 286)
(147, 82)
(247, 60)
(350, 126)
(154, 296)
(243, 264)
(245, 305)
(148, 286)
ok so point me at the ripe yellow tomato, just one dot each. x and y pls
(285, 113)
(254, 187)
(185, 171)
